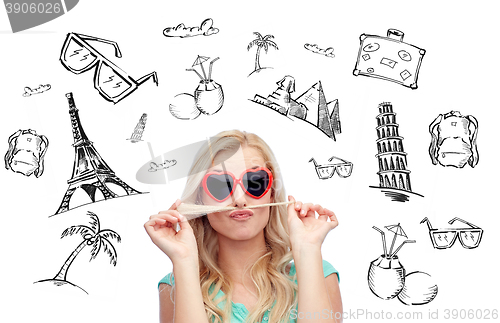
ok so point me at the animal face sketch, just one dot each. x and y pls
(26, 152)
(454, 140)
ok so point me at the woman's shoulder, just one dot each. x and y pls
(168, 279)
(328, 269)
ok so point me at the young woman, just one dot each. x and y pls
(235, 266)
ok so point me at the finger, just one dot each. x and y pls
(298, 206)
(184, 223)
(322, 212)
(333, 218)
(291, 208)
(152, 225)
(307, 210)
(175, 205)
(170, 216)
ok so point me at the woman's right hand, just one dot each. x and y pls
(178, 246)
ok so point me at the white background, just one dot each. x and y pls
(459, 72)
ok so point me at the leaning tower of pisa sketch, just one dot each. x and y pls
(394, 175)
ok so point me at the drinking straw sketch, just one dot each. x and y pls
(387, 277)
(325, 171)
(78, 56)
(206, 29)
(40, 89)
(26, 152)
(208, 97)
(389, 58)
(139, 129)
(90, 171)
(261, 42)
(93, 237)
(470, 238)
(328, 52)
(454, 140)
(311, 106)
(394, 176)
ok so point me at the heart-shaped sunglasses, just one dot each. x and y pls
(220, 185)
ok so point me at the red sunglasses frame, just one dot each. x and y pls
(237, 181)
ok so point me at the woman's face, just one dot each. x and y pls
(240, 224)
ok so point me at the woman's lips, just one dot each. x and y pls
(240, 214)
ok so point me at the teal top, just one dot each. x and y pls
(238, 311)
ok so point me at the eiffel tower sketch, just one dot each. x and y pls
(90, 171)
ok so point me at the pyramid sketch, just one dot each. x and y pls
(311, 106)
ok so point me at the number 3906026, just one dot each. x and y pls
(33, 7)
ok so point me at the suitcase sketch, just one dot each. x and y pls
(389, 58)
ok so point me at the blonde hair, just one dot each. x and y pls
(269, 272)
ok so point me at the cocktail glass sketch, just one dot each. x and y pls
(387, 277)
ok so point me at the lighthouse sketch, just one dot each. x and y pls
(394, 175)
(139, 129)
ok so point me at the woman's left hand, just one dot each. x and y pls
(304, 227)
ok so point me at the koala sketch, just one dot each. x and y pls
(26, 152)
(454, 140)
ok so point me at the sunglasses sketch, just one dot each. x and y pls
(139, 129)
(208, 97)
(469, 238)
(206, 29)
(325, 171)
(90, 172)
(454, 140)
(261, 42)
(328, 52)
(387, 277)
(311, 106)
(389, 58)
(394, 175)
(26, 153)
(40, 89)
(93, 237)
(77, 56)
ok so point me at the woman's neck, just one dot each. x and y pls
(237, 256)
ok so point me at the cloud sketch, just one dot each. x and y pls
(182, 31)
(315, 49)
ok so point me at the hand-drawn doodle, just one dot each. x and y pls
(328, 52)
(470, 238)
(454, 140)
(389, 58)
(77, 56)
(393, 173)
(325, 171)
(208, 97)
(387, 277)
(261, 42)
(206, 29)
(29, 91)
(311, 106)
(166, 164)
(90, 171)
(93, 237)
(26, 152)
(139, 129)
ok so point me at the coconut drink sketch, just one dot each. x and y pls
(208, 97)
(387, 277)
(93, 237)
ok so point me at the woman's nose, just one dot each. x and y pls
(239, 197)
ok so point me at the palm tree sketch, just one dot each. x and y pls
(92, 236)
(261, 42)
